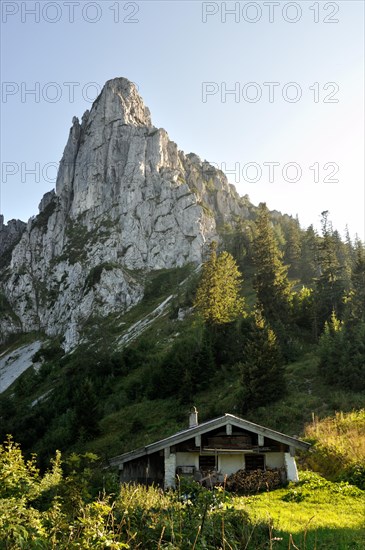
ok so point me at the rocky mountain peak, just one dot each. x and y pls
(116, 114)
(121, 101)
(126, 201)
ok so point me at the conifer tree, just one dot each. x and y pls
(293, 247)
(342, 354)
(331, 349)
(344, 255)
(353, 365)
(353, 369)
(303, 310)
(308, 264)
(330, 284)
(86, 409)
(349, 249)
(357, 300)
(218, 297)
(237, 240)
(262, 370)
(270, 282)
(186, 367)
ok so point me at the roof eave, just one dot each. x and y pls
(202, 428)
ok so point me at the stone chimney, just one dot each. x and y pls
(193, 418)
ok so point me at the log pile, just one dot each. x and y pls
(248, 483)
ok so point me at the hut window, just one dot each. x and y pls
(207, 463)
(254, 462)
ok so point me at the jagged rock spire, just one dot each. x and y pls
(126, 199)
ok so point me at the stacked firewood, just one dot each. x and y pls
(248, 483)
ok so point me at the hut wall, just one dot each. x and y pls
(229, 464)
(187, 459)
(146, 470)
(275, 460)
(291, 468)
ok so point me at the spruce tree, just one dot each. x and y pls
(331, 349)
(344, 254)
(357, 300)
(262, 370)
(270, 282)
(86, 410)
(342, 354)
(308, 264)
(303, 310)
(218, 297)
(330, 284)
(186, 367)
(293, 248)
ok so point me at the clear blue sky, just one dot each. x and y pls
(172, 54)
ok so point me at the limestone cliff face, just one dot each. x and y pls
(10, 234)
(126, 201)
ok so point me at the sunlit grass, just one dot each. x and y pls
(340, 512)
(330, 516)
(344, 432)
(338, 450)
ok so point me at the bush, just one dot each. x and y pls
(191, 517)
(311, 482)
(354, 474)
(65, 509)
(48, 352)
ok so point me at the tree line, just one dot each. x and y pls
(308, 288)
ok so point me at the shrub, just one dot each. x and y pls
(49, 351)
(311, 482)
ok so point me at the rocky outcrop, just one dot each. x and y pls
(127, 201)
(10, 234)
(14, 363)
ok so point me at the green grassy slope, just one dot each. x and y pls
(126, 415)
(313, 514)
